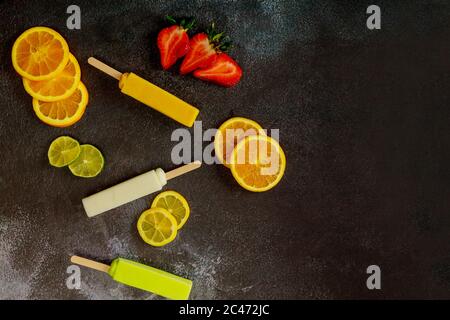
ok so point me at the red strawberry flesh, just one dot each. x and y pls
(200, 55)
(224, 71)
(173, 43)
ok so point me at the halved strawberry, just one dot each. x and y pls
(173, 42)
(224, 71)
(203, 51)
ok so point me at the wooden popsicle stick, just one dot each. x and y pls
(90, 263)
(105, 68)
(183, 169)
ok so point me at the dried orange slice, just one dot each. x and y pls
(60, 87)
(65, 112)
(258, 163)
(39, 53)
(230, 133)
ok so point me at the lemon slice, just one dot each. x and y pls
(230, 133)
(89, 164)
(40, 53)
(258, 163)
(175, 203)
(157, 227)
(63, 151)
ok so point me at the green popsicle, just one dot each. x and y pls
(140, 276)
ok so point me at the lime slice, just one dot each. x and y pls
(63, 151)
(89, 164)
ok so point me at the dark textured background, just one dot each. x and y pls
(363, 117)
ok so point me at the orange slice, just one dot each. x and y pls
(60, 87)
(65, 112)
(230, 133)
(258, 163)
(39, 53)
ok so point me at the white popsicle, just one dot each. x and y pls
(132, 189)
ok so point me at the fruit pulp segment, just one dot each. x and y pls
(69, 77)
(61, 109)
(258, 162)
(234, 134)
(63, 150)
(173, 205)
(39, 53)
(157, 227)
(89, 163)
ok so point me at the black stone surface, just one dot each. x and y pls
(363, 118)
